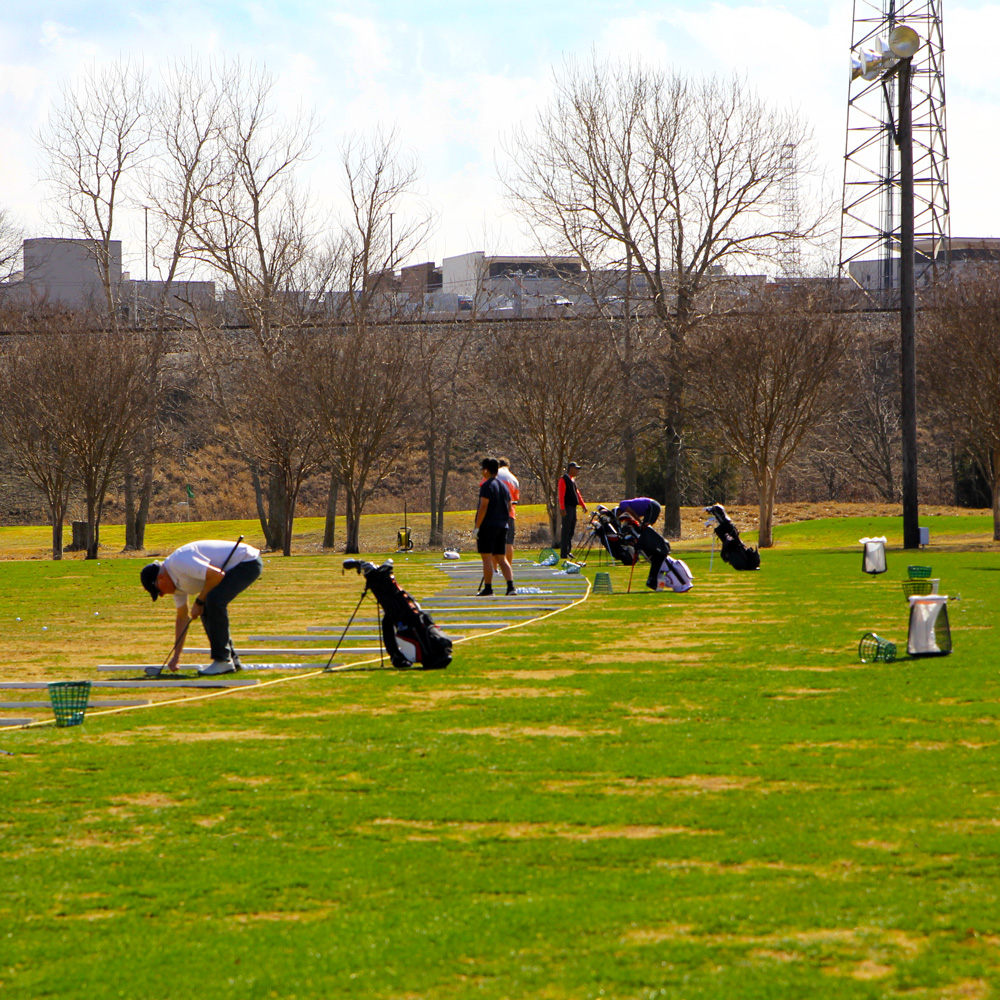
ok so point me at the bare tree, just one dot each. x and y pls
(91, 142)
(670, 179)
(549, 398)
(962, 368)
(11, 239)
(380, 180)
(767, 376)
(359, 379)
(279, 422)
(94, 142)
(251, 224)
(440, 368)
(869, 429)
(32, 421)
(85, 396)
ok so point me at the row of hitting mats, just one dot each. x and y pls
(929, 632)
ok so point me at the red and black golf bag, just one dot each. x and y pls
(411, 638)
(734, 552)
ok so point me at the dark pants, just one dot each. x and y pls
(215, 617)
(568, 530)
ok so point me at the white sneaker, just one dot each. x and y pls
(217, 667)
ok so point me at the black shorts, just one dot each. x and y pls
(492, 540)
(511, 524)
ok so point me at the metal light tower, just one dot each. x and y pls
(892, 61)
(790, 258)
(871, 206)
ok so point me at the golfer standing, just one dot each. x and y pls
(514, 489)
(213, 573)
(491, 527)
(570, 498)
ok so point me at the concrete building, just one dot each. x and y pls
(140, 300)
(69, 272)
(473, 273)
(965, 251)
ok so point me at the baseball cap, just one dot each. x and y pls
(148, 575)
(572, 465)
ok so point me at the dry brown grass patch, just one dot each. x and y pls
(433, 830)
(517, 732)
(150, 800)
(486, 693)
(284, 916)
(688, 784)
(535, 675)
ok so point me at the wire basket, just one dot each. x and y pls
(873, 649)
(918, 572)
(547, 557)
(602, 584)
(921, 587)
(69, 701)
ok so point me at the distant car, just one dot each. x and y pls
(465, 303)
(559, 300)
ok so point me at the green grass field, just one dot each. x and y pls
(703, 795)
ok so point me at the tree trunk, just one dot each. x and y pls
(995, 455)
(130, 511)
(93, 529)
(145, 495)
(677, 327)
(351, 546)
(765, 508)
(432, 486)
(277, 499)
(330, 528)
(291, 498)
(628, 453)
(57, 535)
(671, 482)
(437, 522)
(258, 493)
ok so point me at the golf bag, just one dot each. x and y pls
(734, 552)
(411, 638)
(608, 531)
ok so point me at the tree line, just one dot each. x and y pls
(794, 392)
(689, 384)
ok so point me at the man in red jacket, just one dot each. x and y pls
(570, 498)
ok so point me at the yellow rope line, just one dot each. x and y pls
(188, 699)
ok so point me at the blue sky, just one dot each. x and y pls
(455, 77)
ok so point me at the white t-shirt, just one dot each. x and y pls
(188, 565)
(513, 488)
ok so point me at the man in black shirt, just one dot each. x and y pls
(491, 527)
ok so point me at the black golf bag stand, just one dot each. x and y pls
(408, 634)
(617, 542)
(734, 552)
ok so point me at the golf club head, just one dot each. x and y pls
(718, 512)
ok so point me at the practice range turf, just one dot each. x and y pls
(704, 795)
